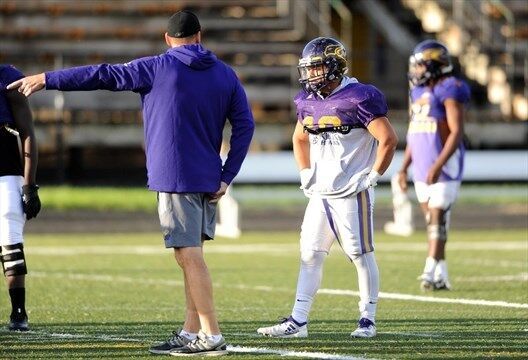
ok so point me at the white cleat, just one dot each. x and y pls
(365, 329)
(288, 328)
(442, 284)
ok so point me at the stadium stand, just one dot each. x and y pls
(262, 40)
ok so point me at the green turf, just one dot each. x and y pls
(111, 296)
(139, 199)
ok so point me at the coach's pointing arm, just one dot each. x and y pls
(136, 76)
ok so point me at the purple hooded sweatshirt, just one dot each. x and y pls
(187, 94)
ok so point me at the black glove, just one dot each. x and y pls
(30, 201)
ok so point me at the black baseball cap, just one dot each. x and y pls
(183, 24)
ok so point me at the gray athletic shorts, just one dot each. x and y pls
(186, 218)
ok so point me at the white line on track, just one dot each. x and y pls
(383, 295)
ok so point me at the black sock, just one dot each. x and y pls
(18, 302)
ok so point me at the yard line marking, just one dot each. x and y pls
(230, 348)
(44, 334)
(498, 278)
(384, 295)
(408, 297)
(300, 354)
(275, 249)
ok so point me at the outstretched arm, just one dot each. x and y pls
(136, 75)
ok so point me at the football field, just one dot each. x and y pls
(94, 296)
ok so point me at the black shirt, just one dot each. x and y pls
(10, 163)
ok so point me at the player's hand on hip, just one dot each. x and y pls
(30, 201)
(402, 180)
(433, 174)
(217, 195)
(29, 84)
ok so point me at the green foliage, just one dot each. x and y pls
(96, 296)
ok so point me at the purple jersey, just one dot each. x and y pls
(8, 74)
(342, 151)
(428, 118)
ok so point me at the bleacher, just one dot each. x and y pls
(261, 39)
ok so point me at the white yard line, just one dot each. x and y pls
(496, 278)
(230, 348)
(299, 354)
(408, 297)
(275, 249)
(383, 295)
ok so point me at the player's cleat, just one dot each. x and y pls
(286, 329)
(366, 329)
(426, 283)
(173, 343)
(202, 346)
(442, 285)
(18, 323)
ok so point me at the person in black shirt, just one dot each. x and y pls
(19, 200)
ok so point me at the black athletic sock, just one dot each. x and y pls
(18, 302)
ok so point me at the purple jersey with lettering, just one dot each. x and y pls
(342, 156)
(8, 74)
(428, 118)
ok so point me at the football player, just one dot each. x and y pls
(435, 149)
(342, 142)
(18, 190)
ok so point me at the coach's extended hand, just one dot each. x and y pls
(30, 201)
(29, 84)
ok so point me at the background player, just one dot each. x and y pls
(435, 149)
(342, 144)
(18, 190)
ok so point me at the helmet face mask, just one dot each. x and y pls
(323, 61)
(430, 60)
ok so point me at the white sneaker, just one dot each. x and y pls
(366, 329)
(286, 329)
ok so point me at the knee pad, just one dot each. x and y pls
(437, 232)
(13, 260)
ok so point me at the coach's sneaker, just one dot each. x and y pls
(366, 329)
(203, 345)
(286, 329)
(175, 342)
(18, 322)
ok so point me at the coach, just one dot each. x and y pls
(187, 94)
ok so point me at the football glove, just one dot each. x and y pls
(30, 201)
(370, 180)
(306, 175)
